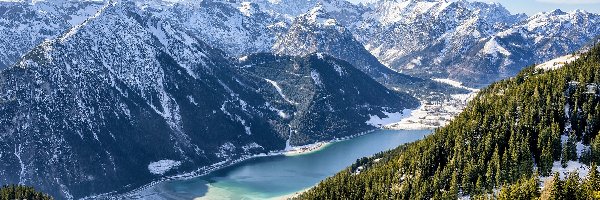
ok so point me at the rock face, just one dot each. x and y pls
(126, 98)
(24, 26)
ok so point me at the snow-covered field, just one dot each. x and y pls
(162, 166)
(454, 83)
(557, 62)
(389, 119)
(436, 114)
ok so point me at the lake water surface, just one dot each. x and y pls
(278, 176)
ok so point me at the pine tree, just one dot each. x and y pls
(595, 149)
(553, 189)
(453, 192)
(546, 161)
(9, 192)
(571, 187)
(591, 185)
(492, 174)
(569, 151)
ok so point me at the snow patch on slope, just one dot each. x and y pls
(454, 83)
(557, 62)
(389, 119)
(279, 90)
(316, 77)
(493, 48)
(162, 166)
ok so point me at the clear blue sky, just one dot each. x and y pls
(534, 6)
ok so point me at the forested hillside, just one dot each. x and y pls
(11, 192)
(512, 132)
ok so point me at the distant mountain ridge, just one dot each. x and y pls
(473, 42)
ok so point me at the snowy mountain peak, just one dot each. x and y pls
(248, 8)
(318, 15)
(557, 12)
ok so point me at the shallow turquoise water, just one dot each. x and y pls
(277, 176)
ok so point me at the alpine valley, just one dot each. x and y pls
(100, 98)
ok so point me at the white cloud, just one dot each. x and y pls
(571, 2)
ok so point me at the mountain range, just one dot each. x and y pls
(142, 98)
(472, 42)
(148, 89)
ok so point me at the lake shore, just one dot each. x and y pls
(146, 190)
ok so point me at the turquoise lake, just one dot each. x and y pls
(278, 177)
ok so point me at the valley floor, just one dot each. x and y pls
(435, 114)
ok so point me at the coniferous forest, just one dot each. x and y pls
(506, 141)
(11, 192)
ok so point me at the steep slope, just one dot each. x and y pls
(472, 42)
(430, 38)
(536, 123)
(24, 25)
(317, 31)
(128, 93)
(322, 96)
(236, 27)
(537, 39)
(243, 27)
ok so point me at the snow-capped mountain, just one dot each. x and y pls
(476, 43)
(344, 12)
(472, 42)
(318, 32)
(538, 39)
(237, 28)
(126, 92)
(25, 25)
(430, 38)
(145, 89)
(126, 98)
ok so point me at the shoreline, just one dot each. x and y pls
(406, 121)
(203, 171)
(306, 149)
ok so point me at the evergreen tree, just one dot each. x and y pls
(493, 144)
(12, 192)
(546, 161)
(453, 192)
(569, 152)
(571, 187)
(591, 185)
(595, 150)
